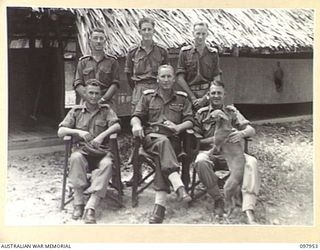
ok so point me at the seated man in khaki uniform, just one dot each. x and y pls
(90, 124)
(207, 163)
(163, 107)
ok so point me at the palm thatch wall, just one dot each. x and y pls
(276, 29)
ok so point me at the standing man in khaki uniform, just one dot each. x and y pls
(163, 107)
(100, 66)
(198, 65)
(90, 124)
(142, 63)
(207, 163)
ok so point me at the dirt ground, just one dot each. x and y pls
(284, 152)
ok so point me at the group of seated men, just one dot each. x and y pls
(154, 101)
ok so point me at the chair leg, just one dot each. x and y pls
(65, 173)
(134, 197)
(117, 177)
(193, 184)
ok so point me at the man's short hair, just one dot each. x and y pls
(168, 66)
(99, 30)
(146, 20)
(217, 83)
(93, 82)
(200, 24)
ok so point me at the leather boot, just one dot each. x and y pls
(250, 217)
(77, 212)
(89, 216)
(182, 195)
(157, 215)
(219, 207)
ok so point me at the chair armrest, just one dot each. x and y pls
(113, 136)
(67, 138)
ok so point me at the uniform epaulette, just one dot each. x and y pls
(203, 109)
(112, 56)
(188, 47)
(83, 57)
(133, 47)
(148, 91)
(212, 49)
(181, 93)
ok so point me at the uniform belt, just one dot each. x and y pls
(202, 86)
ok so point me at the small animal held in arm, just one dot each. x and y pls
(233, 154)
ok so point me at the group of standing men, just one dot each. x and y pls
(154, 101)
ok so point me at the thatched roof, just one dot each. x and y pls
(277, 29)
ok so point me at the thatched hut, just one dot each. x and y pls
(251, 43)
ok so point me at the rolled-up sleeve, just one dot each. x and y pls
(69, 121)
(216, 69)
(115, 73)
(165, 57)
(112, 118)
(141, 109)
(128, 67)
(78, 80)
(197, 126)
(187, 112)
(181, 67)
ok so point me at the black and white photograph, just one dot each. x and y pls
(185, 116)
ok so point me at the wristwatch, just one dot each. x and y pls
(102, 99)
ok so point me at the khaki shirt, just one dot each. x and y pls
(106, 71)
(198, 69)
(142, 65)
(206, 130)
(151, 108)
(79, 117)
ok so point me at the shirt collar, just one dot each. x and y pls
(85, 109)
(141, 47)
(194, 49)
(156, 93)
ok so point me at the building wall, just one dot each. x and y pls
(250, 80)
(28, 69)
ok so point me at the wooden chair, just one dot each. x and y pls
(223, 176)
(116, 176)
(140, 157)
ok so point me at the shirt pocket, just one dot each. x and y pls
(105, 77)
(191, 65)
(154, 113)
(155, 61)
(88, 73)
(101, 125)
(175, 112)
